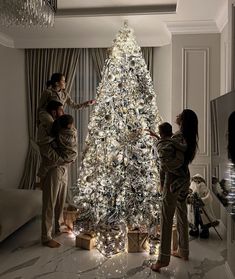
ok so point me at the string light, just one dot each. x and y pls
(117, 187)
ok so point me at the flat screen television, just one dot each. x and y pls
(223, 149)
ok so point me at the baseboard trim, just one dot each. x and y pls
(228, 271)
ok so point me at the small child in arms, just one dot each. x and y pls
(65, 135)
(63, 140)
(171, 157)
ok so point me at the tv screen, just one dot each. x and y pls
(223, 149)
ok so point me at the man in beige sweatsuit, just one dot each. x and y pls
(54, 182)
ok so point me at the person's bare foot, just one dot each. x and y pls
(177, 255)
(158, 265)
(52, 243)
(63, 229)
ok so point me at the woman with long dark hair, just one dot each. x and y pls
(175, 202)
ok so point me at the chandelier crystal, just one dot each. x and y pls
(27, 12)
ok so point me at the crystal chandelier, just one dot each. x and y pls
(27, 12)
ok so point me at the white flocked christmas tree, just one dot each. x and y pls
(119, 178)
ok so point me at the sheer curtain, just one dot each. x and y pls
(88, 76)
(147, 53)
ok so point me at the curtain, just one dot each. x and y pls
(86, 82)
(98, 57)
(147, 53)
(39, 66)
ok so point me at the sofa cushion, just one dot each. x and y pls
(17, 207)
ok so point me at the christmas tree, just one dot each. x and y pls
(118, 182)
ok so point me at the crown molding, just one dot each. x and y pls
(87, 42)
(192, 27)
(6, 41)
(222, 18)
(118, 11)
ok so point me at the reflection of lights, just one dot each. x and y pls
(231, 198)
(111, 243)
(231, 185)
(72, 235)
(112, 267)
(153, 246)
(233, 209)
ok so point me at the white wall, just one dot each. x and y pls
(187, 74)
(195, 81)
(13, 119)
(162, 78)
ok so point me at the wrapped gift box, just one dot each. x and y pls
(69, 217)
(137, 241)
(111, 242)
(85, 241)
(111, 238)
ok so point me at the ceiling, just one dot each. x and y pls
(94, 23)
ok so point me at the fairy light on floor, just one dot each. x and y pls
(111, 242)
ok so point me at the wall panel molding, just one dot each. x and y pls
(215, 171)
(202, 169)
(195, 81)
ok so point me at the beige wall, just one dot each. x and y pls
(13, 120)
